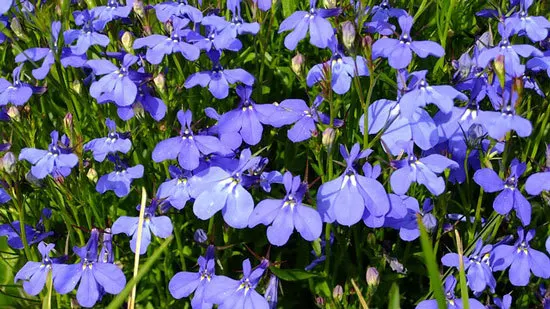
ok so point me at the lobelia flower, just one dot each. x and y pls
(322, 255)
(17, 93)
(48, 54)
(540, 63)
(247, 118)
(178, 8)
(238, 294)
(505, 302)
(340, 68)
(214, 40)
(184, 283)
(5, 5)
(113, 143)
(4, 196)
(345, 198)
(87, 36)
(200, 236)
(271, 291)
(218, 79)
(113, 10)
(120, 180)
(187, 147)
(230, 30)
(145, 100)
(176, 190)
(320, 29)
(538, 182)
(510, 52)
(231, 140)
(408, 224)
(522, 260)
(263, 5)
(269, 178)
(160, 226)
(218, 189)
(283, 216)
(399, 52)
(535, 27)
(510, 197)
(91, 274)
(159, 45)
(106, 255)
(117, 84)
(34, 234)
(34, 274)
(479, 273)
(422, 94)
(452, 301)
(55, 161)
(421, 170)
(304, 118)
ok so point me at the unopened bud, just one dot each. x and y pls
(92, 175)
(320, 301)
(68, 122)
(13, 112)
(200, 236)
(127, 41)
(330, 4)
(338, 292)
(271, 291)
(328, 137)
(139, 9)
(373, 277)
(77, 86)
(15, 26)
(348, 34)
(297, 64)
(7, 163)
(160, 82)
(500, 71)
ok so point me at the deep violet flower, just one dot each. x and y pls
(113, 143)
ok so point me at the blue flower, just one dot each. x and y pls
(340, 68)
(538, 182)
(219, 79)
(120, 179)
(160, 226)
(34, 274)
(320, 29)
(271, 291)
(113, 10)
(175, 191)
(113, 143)
(540, 63)
(535, 27)
(407, 224)
(345, 198)
(55, 161)
(17, 93)
(184, 283)
(144, 99)
(5, 5)
(94, 276)
(399, 52)
(87, 36)
(48, 54)
(178, 8)
(522, 259)
(238, 294)
(477, 265)
(452, 301)
(283, 216)
(510, 196)
(4, 196)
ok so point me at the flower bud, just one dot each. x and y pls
(13, 112)
(160, 82)
(297, 64)
(15, 26)
(77, 86)
(200, 236)
(348, 34)
(139, 9)
(330, 4)
(127, 41)
(320, 301)
(271, 291)
(33, 180)
(68, 122)
(500, 71)
(7, 163)
(372, 276)
(328, 137)
(338, 292)
(92, 175)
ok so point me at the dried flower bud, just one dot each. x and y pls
(13, 112)
(92, 175)
(127, 41)
(7, 163)
(372, 276)
(139, 9)
(68, 122)
(297, 64)
(15, 26)
(77, 86)
(338, 292)
(348, 34)
(330, 4)
(500, 71)
(200, 236)
(160, 82)
(328, 137)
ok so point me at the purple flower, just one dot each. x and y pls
(218, 79)
(340, 68)
(452, 301)
(13, 232)
(92, 275)
(87, 36)
(34, 274)
(160, 45)
(176, 190)
(37, 54)
(408, 224)
(345, 198)
(218, 189)
(522, 260)
(322, 256)
(230, 30)
(57, 160)
(536, 27)
(505, 302)
(271, 291)
(500, 123)
(4, 196)
(160, 226)
(263, 5)
(178, 8)
(540, 63)
(538, 182)
(187, 147)
(238, 294)
(247, 118)
(399, 52)
(113, 143)
(117, 84)
(320, 29)
(510, 197)
(421, 170)
(113, 10)
(214, 40)
(479, 273)
(269, 178)
(184, 283)
(146, 101)
(120, 179)
(5, 5)
(283, 216)
(17, 93)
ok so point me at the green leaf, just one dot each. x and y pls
(394, 297)
(431, 264)
(293, 274)
(289, 6)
